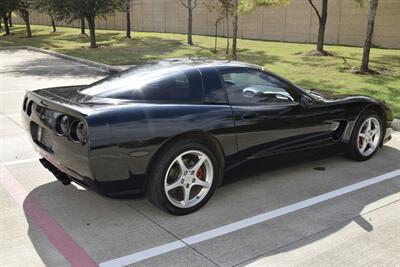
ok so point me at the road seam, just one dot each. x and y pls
(13, 121)
(172, 234)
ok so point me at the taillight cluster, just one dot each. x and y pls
(27, 106)
(75, 129)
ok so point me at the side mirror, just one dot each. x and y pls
(306, 101)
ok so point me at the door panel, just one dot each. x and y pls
(279, 128)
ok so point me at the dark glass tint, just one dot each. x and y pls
(155, 81)
(214, 91)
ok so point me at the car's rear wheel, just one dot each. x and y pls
(367, 136)
(183, 178)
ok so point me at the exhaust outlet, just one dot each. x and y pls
(62, 177)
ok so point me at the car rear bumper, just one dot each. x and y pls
(66, 176)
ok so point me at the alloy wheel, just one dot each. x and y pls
(188, 179)
(369, 136)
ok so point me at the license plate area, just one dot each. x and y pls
(42, 137)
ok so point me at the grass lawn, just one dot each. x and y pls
(325, 73)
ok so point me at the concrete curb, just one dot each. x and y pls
(396, 125)
(104, 67)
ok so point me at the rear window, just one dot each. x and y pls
(151, 82)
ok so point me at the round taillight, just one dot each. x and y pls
(24, 103)
(64, 124)
(81, 132)
(78, 132)
(29, 108)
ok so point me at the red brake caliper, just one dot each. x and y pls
(200, 173)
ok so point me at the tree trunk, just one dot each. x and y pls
(190, 23)
(368, 39)
(10, 20)
(227, 30)
(235, 29)
(5, 20)
(27, 23)
(83, 26)
(216, 38)
(322, 26)
(53, 23)
(92, 30)
(128, 23)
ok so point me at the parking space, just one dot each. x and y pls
(46, 223)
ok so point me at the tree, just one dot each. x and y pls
(22, 8)
(45, 6)
(6, 7)
(373, 6)
(221, 9)
(228, 5)
(189, 5)
(83, 27)
(235, 28)
(10, 19)
(246, 6)
(126, 7)
(88, 9)
(322, 17)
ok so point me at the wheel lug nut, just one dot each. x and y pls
(187, 185)
(193, 180)
(182, 181)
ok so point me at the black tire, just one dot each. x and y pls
(155, 187)
(353, 151)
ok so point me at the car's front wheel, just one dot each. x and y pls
(184, 177)
(366, 137)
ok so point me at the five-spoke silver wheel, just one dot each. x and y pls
(188, 179)
(369, 136)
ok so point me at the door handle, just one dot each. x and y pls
(249, 115)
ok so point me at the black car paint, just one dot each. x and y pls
(125, 136)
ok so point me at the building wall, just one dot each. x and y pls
(296, 22)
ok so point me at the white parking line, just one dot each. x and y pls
(232, 227)
(14, 162)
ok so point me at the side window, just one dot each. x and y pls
(182, 86)
(252, 87)
(214, 92)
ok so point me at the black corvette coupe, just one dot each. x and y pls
(170, 128)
